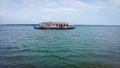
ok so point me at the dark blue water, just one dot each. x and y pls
(82, 47)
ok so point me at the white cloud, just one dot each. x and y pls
(65, 5)
(46, 9)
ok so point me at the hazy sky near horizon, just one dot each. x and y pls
(91, 12)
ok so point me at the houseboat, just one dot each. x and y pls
(54, 25)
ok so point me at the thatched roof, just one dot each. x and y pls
(53, 23)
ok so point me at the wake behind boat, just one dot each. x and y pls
(54, 25)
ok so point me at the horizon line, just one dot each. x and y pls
(72, 24)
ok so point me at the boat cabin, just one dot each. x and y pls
(54, 25)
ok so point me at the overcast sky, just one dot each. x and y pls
(90, 12)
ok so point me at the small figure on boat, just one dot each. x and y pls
(54, 25)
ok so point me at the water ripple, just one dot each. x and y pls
(83, 47)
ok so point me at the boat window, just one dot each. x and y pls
(48, 25)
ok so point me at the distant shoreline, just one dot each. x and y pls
(18, 24)
(38, 24)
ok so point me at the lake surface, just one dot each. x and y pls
(82, 47)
